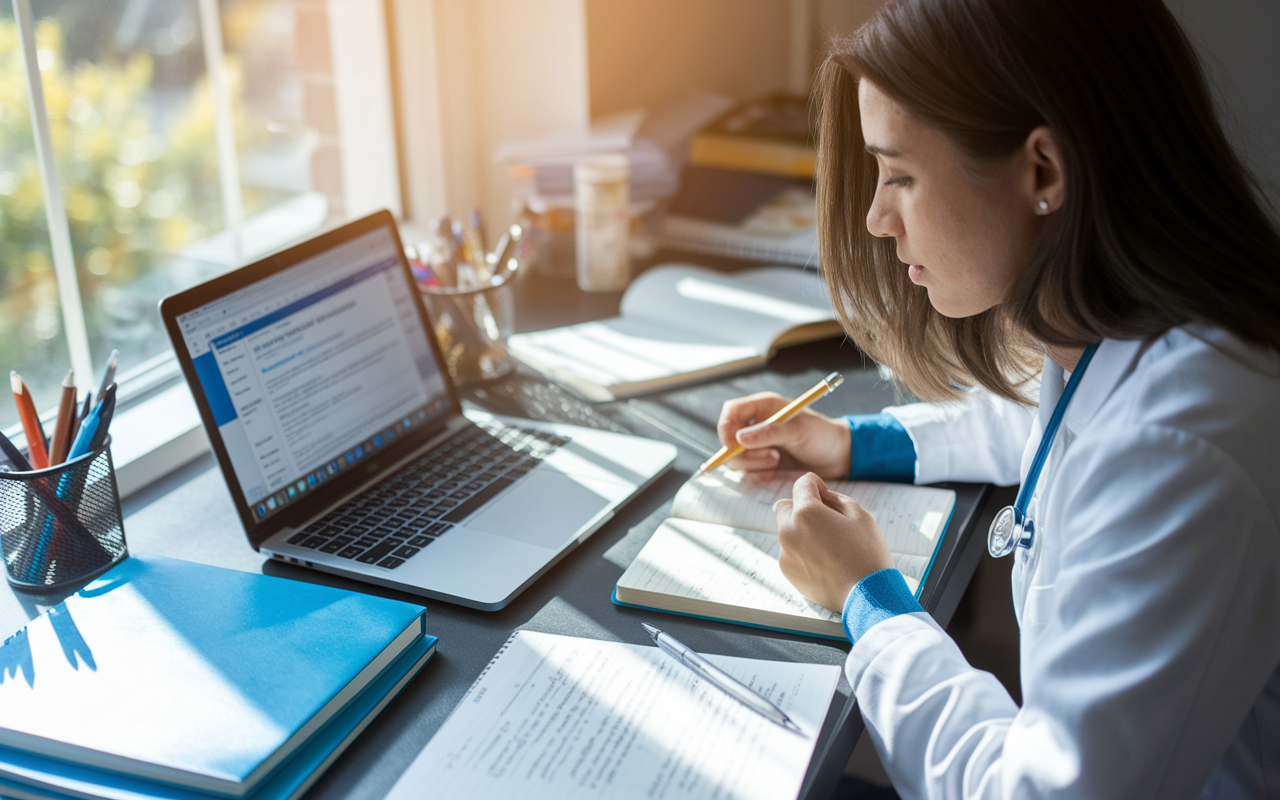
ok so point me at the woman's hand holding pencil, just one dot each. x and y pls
(765, 431)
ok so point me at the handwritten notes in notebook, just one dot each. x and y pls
(559, 718)
(910, 517)
(717, 556)
(721, 572)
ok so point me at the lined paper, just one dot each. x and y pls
(910, 517)
(717, 556)
(734, 569)
(559, 717)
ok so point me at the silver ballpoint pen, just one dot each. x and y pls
(720, 679)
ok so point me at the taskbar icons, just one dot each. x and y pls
(272, 504)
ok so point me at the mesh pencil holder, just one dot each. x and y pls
(62, 525)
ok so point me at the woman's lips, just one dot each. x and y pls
(914, 272)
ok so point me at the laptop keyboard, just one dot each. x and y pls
(393, 520)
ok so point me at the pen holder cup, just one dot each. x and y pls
(472, 325)
(61, 526)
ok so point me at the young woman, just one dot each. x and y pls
(1033, 202)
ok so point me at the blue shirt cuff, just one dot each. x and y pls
(877, 597)
(881, 449)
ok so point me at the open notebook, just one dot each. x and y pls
(563, 718)
(679, 324)
(717, 556)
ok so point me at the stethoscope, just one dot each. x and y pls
(1012, 527)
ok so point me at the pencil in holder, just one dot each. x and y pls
(61, 526)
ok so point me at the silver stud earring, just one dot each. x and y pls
(1043, 205)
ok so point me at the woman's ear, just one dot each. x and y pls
(1046, 174)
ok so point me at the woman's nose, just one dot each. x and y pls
(882, 219)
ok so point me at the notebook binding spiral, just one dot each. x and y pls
(488, 667)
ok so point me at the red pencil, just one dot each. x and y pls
(30, 422)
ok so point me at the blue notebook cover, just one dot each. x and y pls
(191, 675)
(23, 775)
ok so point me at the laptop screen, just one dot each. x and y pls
(311, 370)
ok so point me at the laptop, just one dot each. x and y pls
(343, 443)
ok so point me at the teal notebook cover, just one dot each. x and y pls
(192, 675)
(23, 775)
(617, 602)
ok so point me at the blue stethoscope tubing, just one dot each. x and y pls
(1011, 528)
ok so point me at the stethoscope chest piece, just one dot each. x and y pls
(1011, 527)
(1007, 532)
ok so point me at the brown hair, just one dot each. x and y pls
(1162, 225)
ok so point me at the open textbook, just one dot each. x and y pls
(563, 718)
(680, 324)
(717, 556)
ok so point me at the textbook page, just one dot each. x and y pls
(910, 517)
(681, 323)
(559, 718)
(751, 307)
(719, 571)
(620, 351)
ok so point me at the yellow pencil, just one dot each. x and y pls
(824, 387)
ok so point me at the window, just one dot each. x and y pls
(188, 137)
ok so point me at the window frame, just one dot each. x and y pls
(157, 429)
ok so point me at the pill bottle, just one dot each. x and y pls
(601, 202)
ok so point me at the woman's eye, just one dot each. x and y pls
(901, 180)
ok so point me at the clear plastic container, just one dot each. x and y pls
(602, 222)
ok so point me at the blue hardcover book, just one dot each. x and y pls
(27, 777)
(195, 676)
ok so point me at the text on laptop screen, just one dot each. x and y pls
(310, 370)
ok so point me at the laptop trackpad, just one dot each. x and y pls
(546, 509)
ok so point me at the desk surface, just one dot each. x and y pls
(189, 515)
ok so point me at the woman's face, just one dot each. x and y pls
(962, 233)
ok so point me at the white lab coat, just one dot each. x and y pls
(1149, 604)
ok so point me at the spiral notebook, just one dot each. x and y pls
(561, 718)
(717, 556)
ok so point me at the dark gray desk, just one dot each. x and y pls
(189, 515)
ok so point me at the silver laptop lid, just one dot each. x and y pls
(313, 370)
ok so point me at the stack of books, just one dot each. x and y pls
(167, 679)
(769, 136)
(747, 190)
(653, 141)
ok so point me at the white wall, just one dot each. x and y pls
(501, 68)
(643, 54)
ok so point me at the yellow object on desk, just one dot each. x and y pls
(824, 387)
